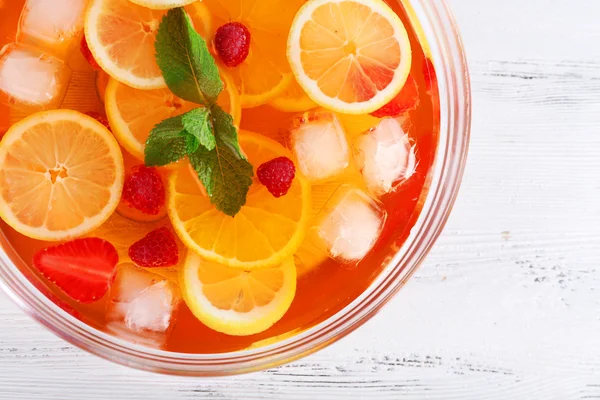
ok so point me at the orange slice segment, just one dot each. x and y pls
(61, 175)
(351, 56)
(293, 99)
(265, 73)
(266, 231)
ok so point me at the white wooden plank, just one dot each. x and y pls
(505, 306)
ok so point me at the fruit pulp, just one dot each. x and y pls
(326, 288)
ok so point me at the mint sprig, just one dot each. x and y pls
(183, 57)
(206, 135)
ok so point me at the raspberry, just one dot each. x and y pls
(232, 43)
(407, 99)
(156, 249)
(277, 175)
(85, 50)
(144, 190)
(100, 118)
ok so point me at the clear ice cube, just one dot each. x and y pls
(54, 26)
(141, 303)
(31, 80)
(350, 224)
(320, 146)
(385, 156)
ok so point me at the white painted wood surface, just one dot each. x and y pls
(507, 305)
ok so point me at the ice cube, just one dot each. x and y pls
(141, 303)
(350, 224)
(31, 80)
(54, 26)
(385, 156)
(320, 146)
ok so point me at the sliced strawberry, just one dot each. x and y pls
(407, 99)
(156, 249)
(82, 268)
(87, 54)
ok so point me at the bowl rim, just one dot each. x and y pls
(448, 56)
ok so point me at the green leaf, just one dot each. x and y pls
(165, 143)
(191, 142)
(183, 57)
(198, 123)
(224, 171)
(225, 129)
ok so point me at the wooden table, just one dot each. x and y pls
(507, 305)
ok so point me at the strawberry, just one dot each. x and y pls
(87, 54)
(82, 268)
(277, 175)
(100, 118)
(144, 190)
(232, 43)
(156, 249)
(407, 99)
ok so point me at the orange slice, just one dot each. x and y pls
(162, 4)
(265, 74)
(266, 231)
(234, 301)
(350, 56)
(293, 99)
(61, 175)
(133, 113)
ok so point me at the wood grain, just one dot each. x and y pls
(507, 304)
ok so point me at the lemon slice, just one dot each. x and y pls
(350, 56)
(121, 35)
(235, 301)
(61, 175)
(266, 231)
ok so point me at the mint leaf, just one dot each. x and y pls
(224, 171)
(165, 143)
(199, 125)
(183, 57)
(191, 142)
(225, 130)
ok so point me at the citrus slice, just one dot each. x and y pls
(351, 56)
(61, 175)
(234, 301)
(266, 231)
(133, 113)
(121, 35)
(293, 99)
(162, 4)
(265, 73)
(201, 18)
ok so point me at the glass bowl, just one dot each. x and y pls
(455, 105)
